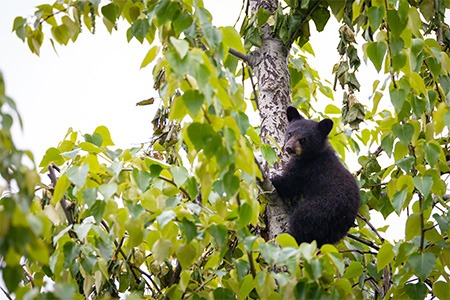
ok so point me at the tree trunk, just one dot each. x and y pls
(270, 66)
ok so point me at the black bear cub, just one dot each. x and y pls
(323, 193)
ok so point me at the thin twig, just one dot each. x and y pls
(364, 241)
(129, 263)
(422, 223)
(6, 293)
(388, 41)
(54, 14)
(358, 251)
(255, 93)
(371, 227)
(252, 264)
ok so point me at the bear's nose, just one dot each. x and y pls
(290, 150)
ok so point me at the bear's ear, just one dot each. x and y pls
(293, 114)
(325, 126)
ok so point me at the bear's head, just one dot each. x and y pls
(305, 137)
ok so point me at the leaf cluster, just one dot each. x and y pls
(182, 218)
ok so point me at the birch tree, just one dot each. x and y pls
(193, 214)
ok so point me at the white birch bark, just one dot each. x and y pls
(269, 62)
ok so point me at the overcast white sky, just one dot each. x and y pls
(94, 81)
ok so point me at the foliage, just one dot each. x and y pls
(20, 227)
(182, 218)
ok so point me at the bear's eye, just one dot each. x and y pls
(302, 140)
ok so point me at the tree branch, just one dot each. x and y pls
(240, 55)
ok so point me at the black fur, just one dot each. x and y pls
(324, 195)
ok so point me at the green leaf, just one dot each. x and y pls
(422, 264)
(354, 270)
(193, 100)
(320, 16)
(181, 46)
(140, 28)
(12, 276)
(165, 217)
(166, 11)
(432, 152)
(416, 291)
(376, 52)
(399, 200)
(395, 22)
(135, 228)
(182, 22)
(61, 187)
(71, 252)
(88, 264)
(331, 109)
(180, 175)
(108, 189)
(404, 132)
(73, 28)
(150, 56)
(161, 249)
(245, 215)
(52, 155)
(231, 38)
(406, 163)
(419, 105)
(90, 147)
(95, 139)
(387, 143)
(189, 229)
(269, 154)
(82, 230)
(103, 131)
(78, 175)
(61, 34)
(20, 27)
(142, 179)
(286, 240)
(223, 294)
(412, 227)
(423, 184)
(65, 291)
(231, 184)
(110, 12)
(241, 120)
(385, 256)
(34, 41)
(253, 36)
(398, 97)
(186, 254)
(269, 251)
(375, 14)
(219, 232)
(204, 137)
(441, 290)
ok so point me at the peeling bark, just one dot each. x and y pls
(269, 63)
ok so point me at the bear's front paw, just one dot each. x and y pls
(276, 181)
